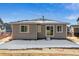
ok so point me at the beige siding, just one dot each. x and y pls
(33, 32)
(42, 33)
(74, 29)
(61, 35)
(56, 35)
(31, 35)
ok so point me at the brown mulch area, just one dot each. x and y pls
(45, 52)
(31, 54)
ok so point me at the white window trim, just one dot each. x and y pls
(24, 25)
(46, 31)
(59, 31)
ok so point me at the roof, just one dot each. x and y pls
(74, 25)
(38, 21)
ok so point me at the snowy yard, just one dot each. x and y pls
(24, 44)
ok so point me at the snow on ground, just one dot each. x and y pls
(23, 44)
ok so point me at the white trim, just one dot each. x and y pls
(59, 31)
(23, 25)
(46, 30)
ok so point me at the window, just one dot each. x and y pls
(59, 29)
(24, 28)
(39, 28)
(49, 30)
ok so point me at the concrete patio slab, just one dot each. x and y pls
(24, 44)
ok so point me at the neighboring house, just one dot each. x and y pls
(38, 29)
(75, 29)
(2, 27)
(8, 27)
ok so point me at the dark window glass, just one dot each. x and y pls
(48, 28)
(51, 27)
(51, 32)
(23, 28)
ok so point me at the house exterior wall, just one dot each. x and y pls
(33, 32)
(42, 34)
(31, 35)
(62, 34)
(74, 29)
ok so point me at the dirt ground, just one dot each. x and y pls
(74, 39)
(41, 52)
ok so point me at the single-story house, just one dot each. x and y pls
(74, 29)
(38, 29)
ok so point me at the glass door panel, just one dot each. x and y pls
(49, 30)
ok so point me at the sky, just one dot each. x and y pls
(66, 12)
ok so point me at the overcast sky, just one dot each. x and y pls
(62, 12)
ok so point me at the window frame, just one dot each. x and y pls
(53, 30)
(27, 29)
(61, 29)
